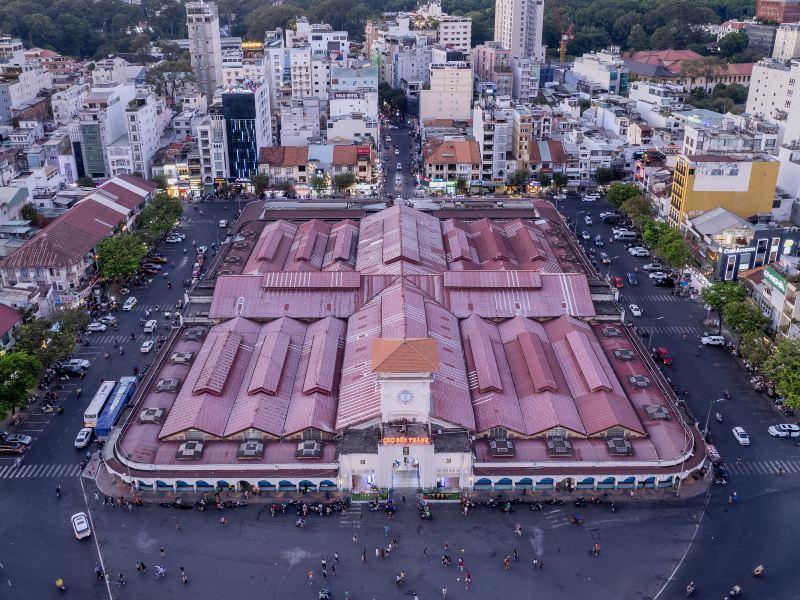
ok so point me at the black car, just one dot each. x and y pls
(666, 282)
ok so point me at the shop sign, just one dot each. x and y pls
(403, 440)
(738, 250)
(775, 279)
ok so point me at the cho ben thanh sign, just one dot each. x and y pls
(775, 279)
(402, 440)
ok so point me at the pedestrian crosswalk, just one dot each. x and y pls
(678, 330)
(556, 517)
(764, 467)
(39, 471)
(633, 297)
(119, 339)
(352, 518)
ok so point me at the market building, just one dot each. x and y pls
(402, 349)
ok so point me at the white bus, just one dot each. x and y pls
(94, 409)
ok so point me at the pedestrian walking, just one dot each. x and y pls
(223, 521)
(324, 564)
(385, 531)
(121, 580)
(446, 546)
(403, 498)
(178, 526)
(325, 574)
(162, 551)
(460, 564)
(506, 563)
(333, 569)
(467, 579)
(97, 496)
(355, 538)
(516, 556)
(541, 565)
(535, 563)
(364, 556)
(310, 576)
(444, 592)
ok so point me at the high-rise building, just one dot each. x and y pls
(518, 27)
(248, 126)
(780, 11)
(205, 45)
(102, 122)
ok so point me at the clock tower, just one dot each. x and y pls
(404, 370)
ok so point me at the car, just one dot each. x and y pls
(585, 235)
(617, 282)
(202, 249)
(84, 437)
(16, 448)
(741, 436)
(154, 266)
(653, 266)
(635, 310)
(18, 438)
(96, 326)
(598, 241)
(639, 251)
(173, 239)
(129, 303)
(80, 525)
(108, 320)
(147, 347)
(712, 340)
(149, 270)
(604, 258)
(588, 199)
(588, 220)
(150, 326)
(397, 151)
(399, 166)
(223, 223)
(657, 275)
(631, 277)
(663, 355)
(784, 430)
(74, 366)
(667, 282)
(158, 258)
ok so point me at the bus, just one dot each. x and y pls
(123, 392)
(92, 412)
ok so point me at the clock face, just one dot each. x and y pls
(405, 396)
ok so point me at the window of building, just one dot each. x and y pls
(730, 267)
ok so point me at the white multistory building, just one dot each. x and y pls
(492, 128)
(773, 92)
(787, 42)
(525, 76)
(212, 144)
(605, 68)
(205, 45)
(20, 84)
(655, 102)
(353, 104)
(321, 38)
(145, 126)
(518, 26)
(455, 32)
(66, 104)
(300, 71)
(300, 121)
(450, 91)
(102, 122)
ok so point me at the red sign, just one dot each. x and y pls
(403, 440)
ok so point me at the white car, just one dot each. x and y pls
(96, 327)
(635, 310)
(223, 223)
(588, 220)
(585, 235)
(784, 430)
(652, 267)
(84, 437)
(130, 303)
(397, 151)
(80, 525)
(741, 436)
(657, 275)
(639, 251)
(604, 258)
(174, 239)
(147, 346)
(712, 340)
(399, 166)
(202, 249)
(17, 438)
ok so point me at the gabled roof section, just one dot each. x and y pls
(218, 364)
(405, 355)
(283, 156)
(266, 375)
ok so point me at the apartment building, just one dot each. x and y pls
(66, 104)
(320, 37)
(735, 134)
(787, 42)
(102, 121)
(778, 11)
(300, 121)
(205, 45)
(525, 77)
(773, 96)
(20, 85)
(353, 105)
(530, 124)
(492, 63)
(450, 91)
(455, 32)
(212, 143)
(248, 126)
(605, 68)
(518, 27)
(492, 127)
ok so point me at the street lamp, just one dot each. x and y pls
(708, 416)
(653, 331)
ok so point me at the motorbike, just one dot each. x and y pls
(536, 506)
(735, 591)
(508, 508)
(613, 507)
(758, 571)
(690, 588)
(718, 417)
(324, 594)
(580, 502)
(576, 520)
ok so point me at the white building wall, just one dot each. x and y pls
(518, 26)
(66, 104)
(787, 42)
(205, 45)
(450, 93)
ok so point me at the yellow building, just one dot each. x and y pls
(744, 186)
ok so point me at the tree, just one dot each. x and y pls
(38, 339)
(544, 179)
(260, 182)
(721, 293)
(318, 183)
(18, 373)
(743, 316)
(674, 250)
(344, 181)
(518, 179)
(170, 78)
(663, 37)
(560, 180)
(638, 40)
(159, 216)
(756, 348)
(72, 320)
(461, 186)
(85, 182)
(783, 368)
(706, 68)
(604, 176)
(120, 256)
(733, 43)
(638, 208)
(29, 213)
(160, 181)
(653, 231)
(619, 192)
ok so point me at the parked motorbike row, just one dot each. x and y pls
(201, 505)
(303, 509)
(424, 511)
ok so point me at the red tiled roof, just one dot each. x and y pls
(740, 69)
(451, 152)
(8, 318)
(283, 156)
(348, 155)
(405, 355)
(671, 59)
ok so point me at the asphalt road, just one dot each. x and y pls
(399, 182)
(762, 526)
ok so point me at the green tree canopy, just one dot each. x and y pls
(85, 182)
(29, 213)
(120, 256)
(344, 181)
(544, 179)
(638, 208)
(18, 374)
(733, 43)
(160, 215)
(318, 183)
(783, 368)
(618, 192)
(604, 176)
(72, 320)
(721, 293)
(560, 180)
(756, 348)
(40, 341)
(743, 316)
(638, 39)
(260, 182)
(518, 179)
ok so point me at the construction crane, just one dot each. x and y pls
(566, 35)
